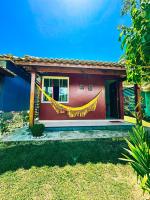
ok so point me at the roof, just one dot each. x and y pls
(32, 59)
(60, 65)
(6, 72)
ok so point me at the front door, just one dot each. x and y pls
(114, 100)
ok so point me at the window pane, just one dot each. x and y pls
(46, 82)
(65, 83)
(56, 82)
(63, 94)
(48, 88)
(63, 90)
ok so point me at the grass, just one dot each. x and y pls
(81, 170)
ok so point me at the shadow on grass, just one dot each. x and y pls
(13, 157)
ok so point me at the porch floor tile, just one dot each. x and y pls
(83, 123)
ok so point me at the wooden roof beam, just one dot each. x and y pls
(66, 65)
(76, 71)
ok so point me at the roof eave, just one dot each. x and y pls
(6, 72)
(62, 65)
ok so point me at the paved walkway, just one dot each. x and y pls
(74, 130)
(24, 135)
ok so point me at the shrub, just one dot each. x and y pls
(4, 127)
(17, 121)
(9, 121)
(7, 116)
(25, 116)
(138, 155)
(37, 130)
(5, 120)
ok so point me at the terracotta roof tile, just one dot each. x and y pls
(31, 59)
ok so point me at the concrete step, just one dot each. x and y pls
(77, 125)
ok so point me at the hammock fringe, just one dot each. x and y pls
(72, 112)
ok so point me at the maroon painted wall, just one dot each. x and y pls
(78, 97)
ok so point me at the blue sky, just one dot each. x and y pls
(80, 29)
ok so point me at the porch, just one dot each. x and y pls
(71, 125)
(73, 130)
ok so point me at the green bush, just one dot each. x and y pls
(37, 130)
(17, 121)
(25, 116)
(7, 116)
(138, 155)
(4, 127)
(17, 118)
(9, 121)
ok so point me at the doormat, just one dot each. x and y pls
(116, 121)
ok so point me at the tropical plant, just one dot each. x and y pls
(135, 41)
(138, 155)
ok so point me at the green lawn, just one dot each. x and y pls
(88, 170)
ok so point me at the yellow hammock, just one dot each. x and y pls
(71, 111)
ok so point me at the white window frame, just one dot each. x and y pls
(54, 77)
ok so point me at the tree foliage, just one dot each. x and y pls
(135, 40)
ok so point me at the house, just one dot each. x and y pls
(74, 83)
(14, 87)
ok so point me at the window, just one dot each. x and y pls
(57, 88)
